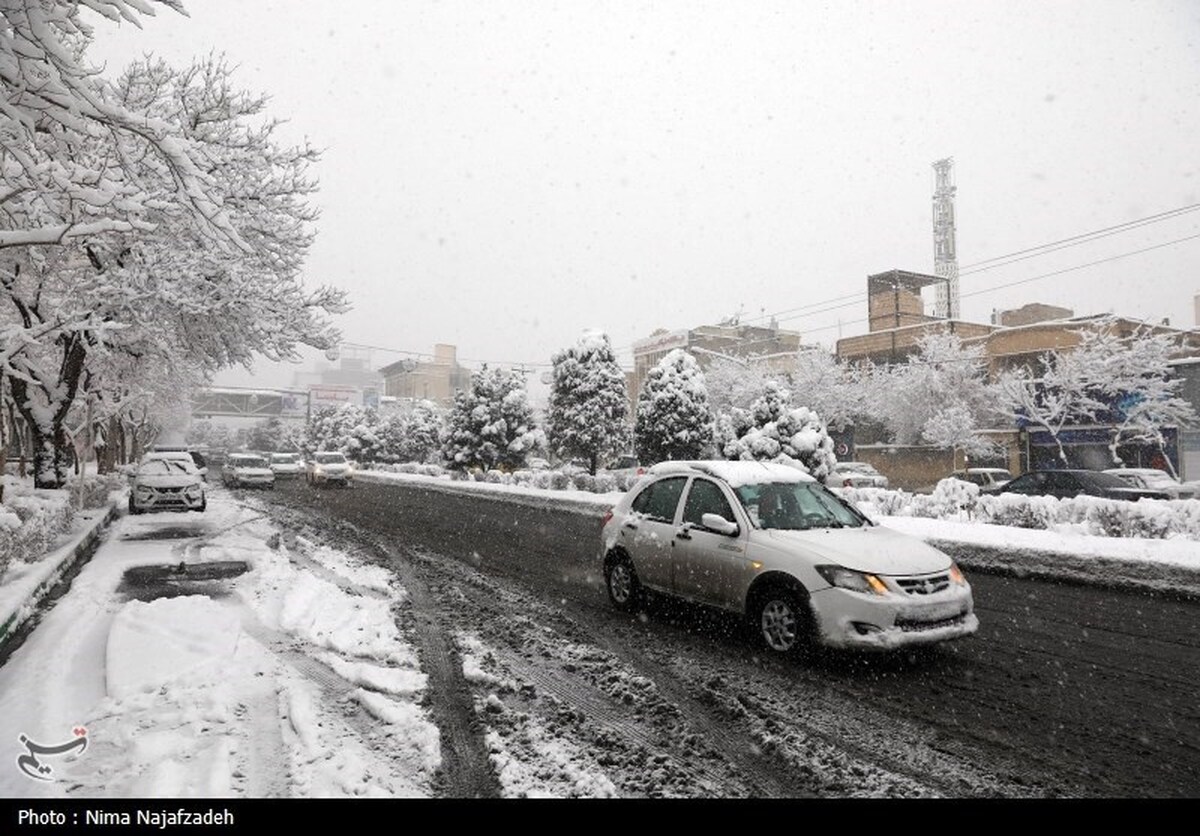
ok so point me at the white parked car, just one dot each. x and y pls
(178, 455)
(326, 468)
(856, 475)
(1157, 480)
(247, 469)
(989, 479)
(286, 465)
(164, 484)
(771, 543)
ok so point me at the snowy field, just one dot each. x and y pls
(291, 679)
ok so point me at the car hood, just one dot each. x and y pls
(336, 466)
(875, 549)
(254, 471)
(166, 480)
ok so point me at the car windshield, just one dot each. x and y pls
(283, 458)
(249, 461)
(158, 467)
(330, 458)
(796, 507)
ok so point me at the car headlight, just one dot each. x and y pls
(844, 578)
(956, 575)
(145, 490)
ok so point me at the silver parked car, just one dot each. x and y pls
(286, 465)
(770, 542)
(1156, 480)
(165, 484)
(856, 475)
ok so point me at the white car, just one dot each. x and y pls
(989, 479)
(286, 465)
(247, 469)
(178, 455)
(1157, 480)
(771, 543)
(326, 468)
(856, 475)
(164, 484)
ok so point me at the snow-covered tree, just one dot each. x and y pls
(796, 436)
(1125, 381)
(734, 383)
(421, 433)
(168, 289)
(76, 160)
(942, 389)
(674, 421)
(491, 425)
(587, 416)
(833, 389)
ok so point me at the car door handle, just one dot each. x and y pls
(630, 525)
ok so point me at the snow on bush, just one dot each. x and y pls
(1147, 519)
(31, 521)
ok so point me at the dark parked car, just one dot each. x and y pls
(1066, 484)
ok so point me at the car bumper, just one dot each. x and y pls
(164, 501)
(331, 477)
(856, 620)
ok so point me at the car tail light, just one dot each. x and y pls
(846, 483)
(608, 515)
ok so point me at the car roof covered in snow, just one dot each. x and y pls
(736, 473)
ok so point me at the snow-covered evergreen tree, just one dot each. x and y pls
(422, 433)
(587, 417)
(674, 421)
(781, 433)
(491, 425)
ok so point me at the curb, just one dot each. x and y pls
(561, 503)
(64, 559)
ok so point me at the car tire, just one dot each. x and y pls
(621, 581)
(133, 509)
(782, 620)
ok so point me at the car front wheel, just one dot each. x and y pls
(783, 621)
(624, 589)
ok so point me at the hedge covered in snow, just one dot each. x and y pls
(962, 501)
(550, 480)
(31, 521)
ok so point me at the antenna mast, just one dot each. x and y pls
(945, 254)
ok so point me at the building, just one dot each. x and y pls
(897, 320)
(438, 379)
(1029, 314)
(770, 345)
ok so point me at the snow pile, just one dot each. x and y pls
(954, 500)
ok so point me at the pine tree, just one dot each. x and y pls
(674, 421)
(587, 416)
(491, 425)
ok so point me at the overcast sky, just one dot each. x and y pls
(503, 175)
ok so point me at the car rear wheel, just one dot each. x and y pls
(783, 620)
(624, 589)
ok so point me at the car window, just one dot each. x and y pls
(706, 497)
(330, 458)
(249, 461)
(660, 499)
(796, 506)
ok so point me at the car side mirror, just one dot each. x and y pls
(717, 523)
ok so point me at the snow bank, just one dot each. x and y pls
(957, 501)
